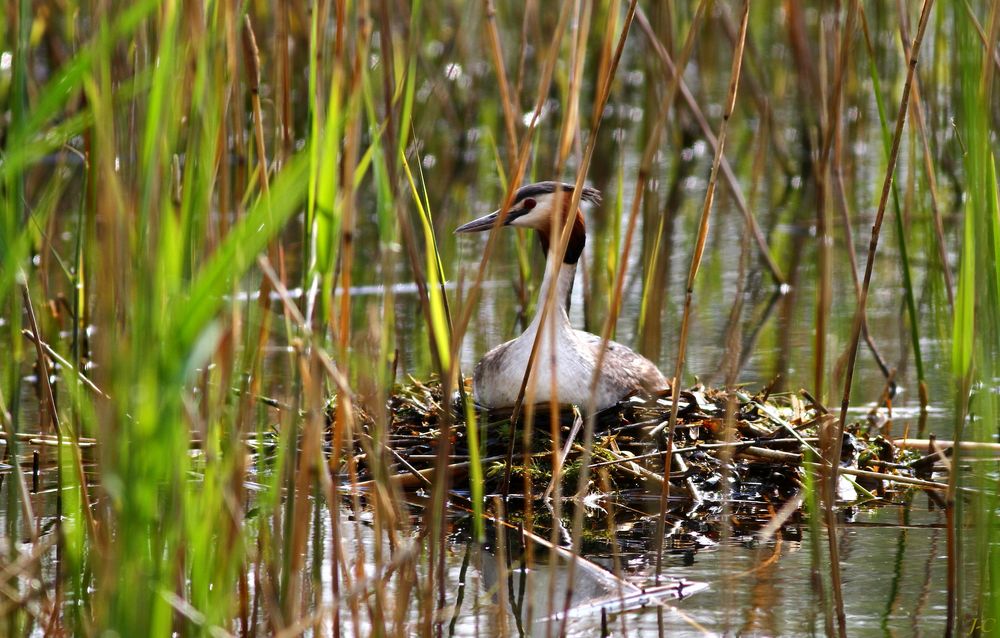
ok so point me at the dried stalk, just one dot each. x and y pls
(852, 350)
(703, 227)
(727, 170)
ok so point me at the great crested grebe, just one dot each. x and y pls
(497, 377)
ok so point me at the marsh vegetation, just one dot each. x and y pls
(236, 326)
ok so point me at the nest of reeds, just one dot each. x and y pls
(755, 447)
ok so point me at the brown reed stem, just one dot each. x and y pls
(824, 222)
(675, 82)
(702, 238)
(50, 399)
(918, 119)
(251, 56)
(982, 35)
(506, 99)
(706, 129)
(852, 350)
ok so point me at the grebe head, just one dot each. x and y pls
(536, 206)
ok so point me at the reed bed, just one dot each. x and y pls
(236, 330)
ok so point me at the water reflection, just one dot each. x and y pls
(893, 581)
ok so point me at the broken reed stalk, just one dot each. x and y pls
(859, 312)
(918, 444)
(701, 240)
(55, 356)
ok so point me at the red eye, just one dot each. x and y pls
(529, 203)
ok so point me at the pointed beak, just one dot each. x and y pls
(485, 222)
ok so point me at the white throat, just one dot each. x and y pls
(564, 286)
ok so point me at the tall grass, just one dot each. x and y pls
(976, 340)
(194, 195)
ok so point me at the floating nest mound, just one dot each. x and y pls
(772, 441)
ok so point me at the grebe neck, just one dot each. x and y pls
(564, 287)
